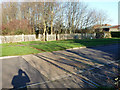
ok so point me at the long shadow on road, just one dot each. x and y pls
(102, 56)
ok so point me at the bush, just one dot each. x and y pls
(19, 32)
(100, 35)
(5, 32)
(115, 34)
(16, 27)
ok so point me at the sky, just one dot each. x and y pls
(110, 7)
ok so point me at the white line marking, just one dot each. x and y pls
(6, 57)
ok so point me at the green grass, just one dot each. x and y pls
(11, 49)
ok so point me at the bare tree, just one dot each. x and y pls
(76, 13)
(68, 15)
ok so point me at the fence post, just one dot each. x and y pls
(22, 37)
(0, 39)
(39, 36)
(58, 37)
(47, 37)
(94, 35)
(43, 36)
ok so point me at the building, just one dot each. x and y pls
(105, 30)
(111, 28)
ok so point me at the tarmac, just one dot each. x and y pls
(72, 68)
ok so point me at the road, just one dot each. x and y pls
(76, 68)
(114, 50)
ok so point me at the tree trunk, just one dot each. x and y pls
(44, 31)
(52, 21)
(51, 27)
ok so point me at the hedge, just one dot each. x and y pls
(115, 34)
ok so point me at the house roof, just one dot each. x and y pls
(96, 26)
(100, 26)
(116, 26)
(103, 26)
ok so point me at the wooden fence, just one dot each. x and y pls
(21, 38)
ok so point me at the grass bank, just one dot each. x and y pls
(33, 47)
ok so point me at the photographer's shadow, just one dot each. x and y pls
(20, 80)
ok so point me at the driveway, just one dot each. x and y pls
(75, 68)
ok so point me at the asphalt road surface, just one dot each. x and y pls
(76, 68)
(114, 50)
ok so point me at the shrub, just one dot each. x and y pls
(16, 27)
(5, 32)
(100, 35)
(115, 34)
(19, 32)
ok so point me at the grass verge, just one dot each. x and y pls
(33, 47)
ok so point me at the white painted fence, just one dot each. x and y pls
(21, 38)
(76, 36)
(51, 37)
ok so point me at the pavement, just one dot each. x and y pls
(73, 68)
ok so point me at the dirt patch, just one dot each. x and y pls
(38, 49)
